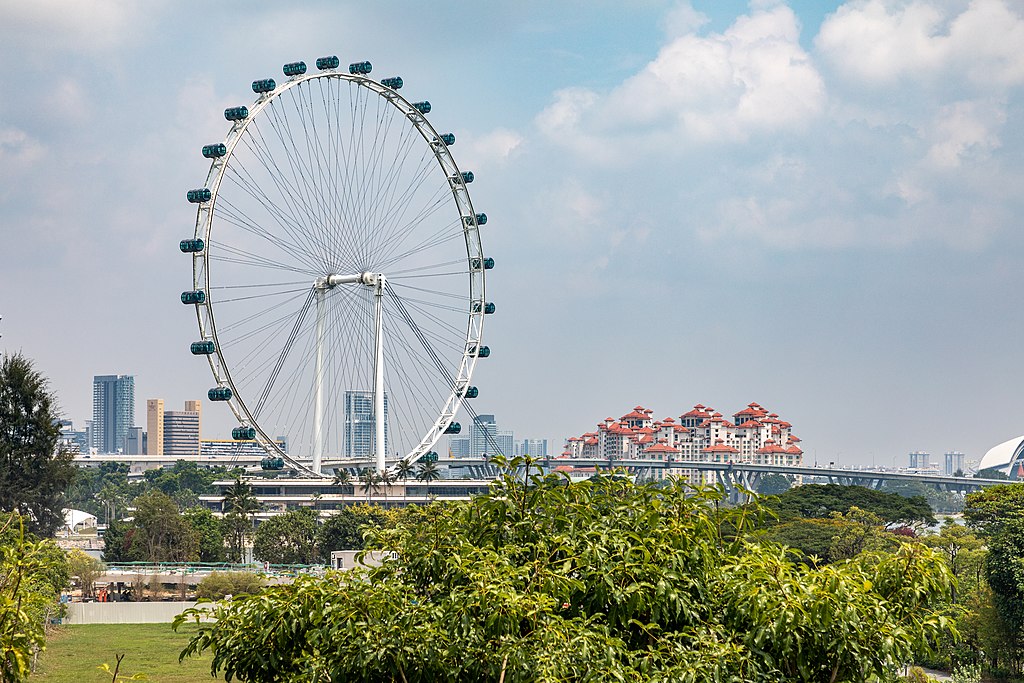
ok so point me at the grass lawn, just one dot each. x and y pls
(73, 653)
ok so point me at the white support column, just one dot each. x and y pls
(378, 372)
(318, 379)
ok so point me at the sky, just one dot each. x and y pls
(811, 205)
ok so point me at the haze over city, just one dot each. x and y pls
(811, 205)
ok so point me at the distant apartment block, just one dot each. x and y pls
(954, 462)
(484, 439)
(182, 429)
(75, 439)
(135, 444)
(155, 426)
(920, 460)
(753, 436)
(360, 427)
(113, 412)
(458, 446)
(537, 448)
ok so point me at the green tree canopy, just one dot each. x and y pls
(34, 470)
(209, 532)
(821, 500)
(287, 539)
(602, 580)
(161, 533)
(774, 485)
(85, 568)
(997, 513)
(344, 529)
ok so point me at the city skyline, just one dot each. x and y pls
(811, 205)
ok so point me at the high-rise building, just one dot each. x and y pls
(135, 443)
(181, 432)
(919, 460)
(458, 446)
(483, 437)
(197, 408)
(113, 412)
(75, 439)
(954, 462)
(506, 442)
(155, 426)
(360, 428)
(537, 448)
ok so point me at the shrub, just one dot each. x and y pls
(219, 584)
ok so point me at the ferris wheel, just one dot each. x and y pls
(338, 271)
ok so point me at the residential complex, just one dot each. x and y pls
(754, 436)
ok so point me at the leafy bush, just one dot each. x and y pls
(592, 581)
(219, 584)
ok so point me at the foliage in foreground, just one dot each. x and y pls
(602, 580)
(32, 574)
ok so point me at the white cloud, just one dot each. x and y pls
(495, 147)
(883, 42)
(83, 24)
(754, 78)
(964, 131)
(17, 149)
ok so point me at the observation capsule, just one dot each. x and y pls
(472, 392)
(203, 348)
(448, 138)
(453, 428)
(481, 219)
(394, 83)
(197, 296)
(272, 463)
(219, 394)
(264, 85)
(360, 68)
(487, 263)
(468, 177)
(236, 113)
(422, 107)
(215, 151)
(430, 456)
(294, 69)
(325, 63)
(198, 196)
(487, 308)
(481, 352)
(243, 433)
(191, 246)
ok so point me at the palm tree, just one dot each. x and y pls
(370, 480)
(238, 506)
(111, 498)
(238, 497)
(428, 472)
(387, 478)
(403, 470)
(342, 478)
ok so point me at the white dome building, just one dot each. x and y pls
(1008, 457)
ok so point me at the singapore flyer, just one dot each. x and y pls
(338, 271)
